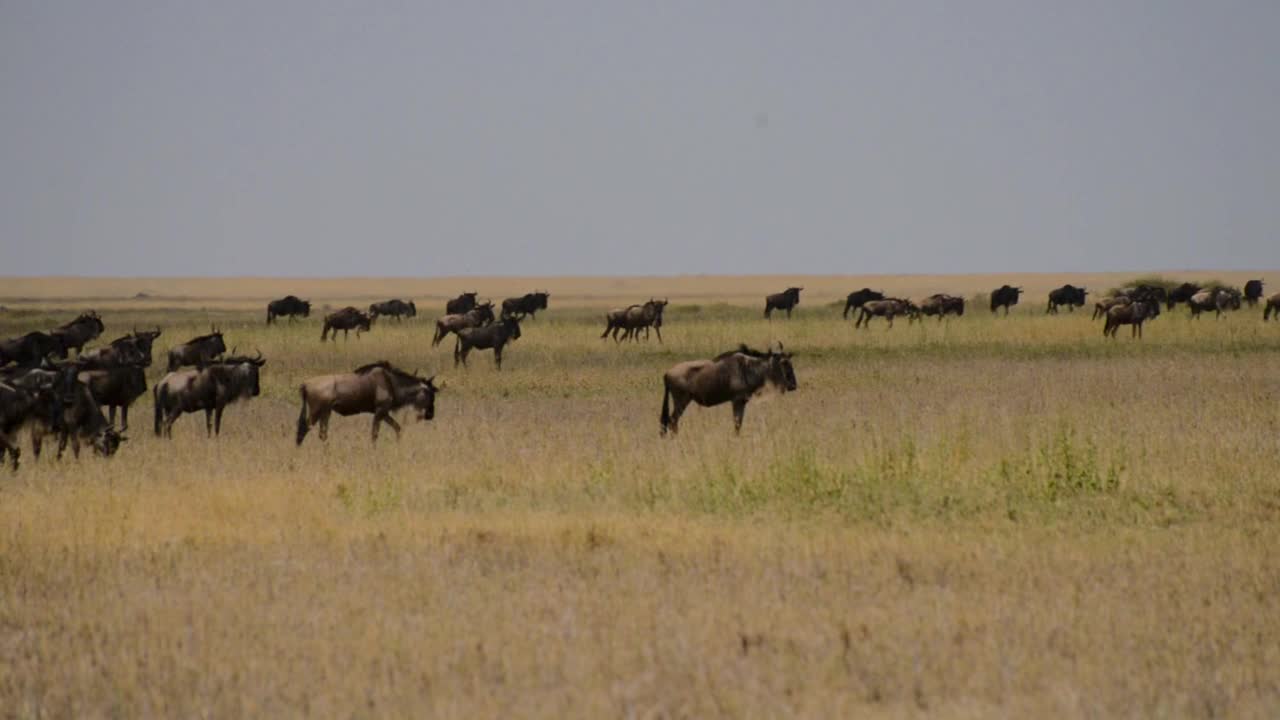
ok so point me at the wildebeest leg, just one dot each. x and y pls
(208, 423)
(739, 408)
(378, 417)
(889, 317)
(788, 313)
(124, 417)
(658, 330)
(394, 425)
(217, 421)
(768, 310)
(75, 446)
(324, 425)
(497, 356)
(111, 415)
(8, 445)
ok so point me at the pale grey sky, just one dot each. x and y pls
(417, 138)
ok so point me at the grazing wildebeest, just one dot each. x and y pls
(494, 337)
(1273, 306)
(1253, 292)
(79, 331)
(116, 387)
(31, 349)
(1069, 295)
(198, 351)
(786, 300)
(211, 389)
(940, 304)
(858, 297)
(1101, 307)
(393, 308)
(346, 319)
(31, 403)
(79, 419)
(1135, 313)
(377, 388)
(888, 308)
(462, 303)
(1004, 296)
(288, 306)
(528, 304)
(631, 319)
(132, 348)
(1215, 299)
(732, 377)
(478, 316)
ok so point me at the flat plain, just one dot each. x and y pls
(982, 516)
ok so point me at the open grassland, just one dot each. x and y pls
(985, 516)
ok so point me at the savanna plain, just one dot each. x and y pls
(981, 517)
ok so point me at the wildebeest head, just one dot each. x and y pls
(242, 377)
(413, 309)
(540, 299)
(781, 374)
(107, 441)
(484, 312)
(425, 399)
(513, 327)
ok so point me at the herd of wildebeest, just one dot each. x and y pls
(53, 387)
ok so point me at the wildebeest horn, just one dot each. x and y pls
(259, 357)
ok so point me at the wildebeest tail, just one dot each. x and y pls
(666, 405)
(302, 415)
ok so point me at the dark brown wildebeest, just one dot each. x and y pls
(732, 377)
(1069, 295)
(116, 387)
(132, 348)
(393, 308)
(463, 303)
(1273, 306)
(1215, 299)
(79, 419)
(1005, 297)
(211, 389)
(377, 388)
(478, 316)
(786, 300)
(631, 319)
(76, 333)
(1181, 294)
(29, 402)
(1101, 307)
(1253, 292)
(858, 297)
(346, 319)
(290, 306)
(887, 308)
(1135, 313)
(31, 349)
(198, 351)
(528, 304)
(494, 337)
(940, 304)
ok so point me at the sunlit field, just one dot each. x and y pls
(981, 516)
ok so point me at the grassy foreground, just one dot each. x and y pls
(981, 517)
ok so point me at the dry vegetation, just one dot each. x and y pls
(974, 518)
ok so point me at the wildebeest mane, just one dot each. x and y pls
(744, 350)
(385, 365)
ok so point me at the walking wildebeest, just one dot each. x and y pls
(1273, 306)
(393, 308)
(858, 297)
(132, 348)
(786, 300)
(288, 306)
(1069, 295)
(632, 318)
(211, 389)
(528, 304)
(478, 316)
(377, 388)
(79, 419)
(198, 351)
(888, 309)
(1135, 313)
(79, 331)
(1215, 299)
(462, 303)
(940, 304)
(494, 337)
(346, 319)
(1101, 307)
(30, 349)
(116, 387)
(1253, 292)
(1004, 296)
(732, 377)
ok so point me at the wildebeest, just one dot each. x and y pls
(116, 387)
(76, 333)
(1135, 313)
(395, 308)
(24, 405)
(478, 316)
(132, 348)
(377, 388)
(31, 349)
(1273, 306)
(1069, 295)
(290, 306)
(528, 304)
(1181, 294)
(1253, 292)
(494, 337)
(346, 319)
(1215, 299)
(888, 308)
(629, 320)
(1155, 293)
(940, 304)
(211, 389)
(786, 300)
(198, 351)
(858, 297)
(1004, 296)
(79, 419)
(462, 303)
(732, 377)
(1104, 305)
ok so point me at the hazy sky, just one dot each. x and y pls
(418, 138)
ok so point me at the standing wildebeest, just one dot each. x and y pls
(79, 419)
(1104, 305)
(378, 388)
(1273, 306)
(116, 387)
(1253, 292)
(1181, 294)
(632, 318)
(79, 331)
(1215, 299)
(858, 297)
(31, 349)
(132, 348)
(528, 304)
(493, 337)
(888, 309)
(732, 377)
(198, 351)
(211, 389)
(1144, 292)
(478, 316)
(288, 306)
(786, 300)
(1069, 295)
(31, 403)
(940, 304)
(346, 319)
(462, 303)
(1004, 297)
(1135, 313)
(393, 308)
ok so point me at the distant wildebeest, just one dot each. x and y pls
(1253, 292)
(30, 349)
(1215, 299)
(289, 306)
(1135, 313)
(346, 320)
(1103, 306)
(528, 304)
(1182, 293)
(116, 387)
(888, 309)
(631, 319)
(198, 351)
(132, 348)
(76, 333)
(494, 337)
(462, 303)
(858, 297)
(940, 304)
(393, 308)
(211, 389)
(1273, 307)
(732, 377)
(1005, 297)
(22, 406)
(478, 316)
(1069, 295)
(786, 300)
(79, 419)
(1144, 292)
(377, 388)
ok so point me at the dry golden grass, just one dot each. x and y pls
(974, 518)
